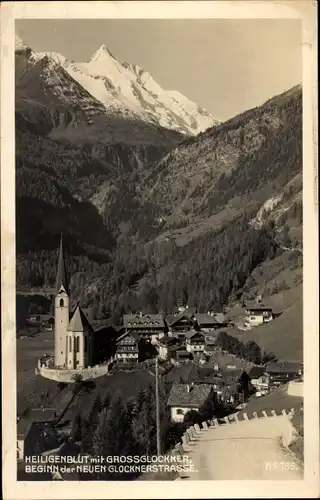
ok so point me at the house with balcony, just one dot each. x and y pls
(282, 372)
(179, 324)
(128, 348)
(150, 327)
(195, 341)
(258, 313)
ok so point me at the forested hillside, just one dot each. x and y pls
(143, 233)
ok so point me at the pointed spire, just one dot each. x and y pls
(62, 279)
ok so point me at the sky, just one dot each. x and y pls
(224, 65)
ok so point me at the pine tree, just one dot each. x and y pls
(90, 424)
(76, 432)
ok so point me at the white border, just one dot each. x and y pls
(306, 10)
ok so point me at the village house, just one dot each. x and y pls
(195, 342)
(186, 397)
(236, 382)
(43, 321)
(150, 327)
(182, 355)
(179, 324)
(210, 339)
(210, 321)
(259, 379)
(37, 433)
(257, 314)
(128, 348)
(167, 347)
(282, 372)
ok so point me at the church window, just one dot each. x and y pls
(61, 303)
(70, 344)
(78, 344)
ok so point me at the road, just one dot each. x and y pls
(249, 450)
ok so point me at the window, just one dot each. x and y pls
(70, 344)
(78, 344)
(61, 302)
(179, 412)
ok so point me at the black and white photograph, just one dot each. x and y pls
(159, 325)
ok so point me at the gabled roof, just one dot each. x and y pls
(193, 333)
(134, 335)
(234, 374)
(78, 321)
(168, 341)
(179, 395)
(143, 321)
(205, 319)
(256, 306)
(186, 314)
(283, 367)
(62, 278)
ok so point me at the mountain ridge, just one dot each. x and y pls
(126, 89)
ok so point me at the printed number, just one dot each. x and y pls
(281, 466)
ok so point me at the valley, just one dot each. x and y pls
(157, 212)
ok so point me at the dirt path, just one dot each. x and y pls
(248, 450)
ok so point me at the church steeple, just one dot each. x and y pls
(62, 278)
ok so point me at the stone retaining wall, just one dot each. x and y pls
(67, 376)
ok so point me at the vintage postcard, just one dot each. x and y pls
(159, 219)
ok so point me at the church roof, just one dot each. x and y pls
(62, 278)
(78, 321)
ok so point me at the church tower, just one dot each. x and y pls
(61, 312)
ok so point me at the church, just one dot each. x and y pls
(73, 336)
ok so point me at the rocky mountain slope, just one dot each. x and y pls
(104, 86)
(239, 164)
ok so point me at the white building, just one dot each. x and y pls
(195, 341)
(257, 314)
(186, 397)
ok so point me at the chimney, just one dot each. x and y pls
(189, 387)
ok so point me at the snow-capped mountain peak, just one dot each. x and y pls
(102, 52)
(55, 56)
(126, 89)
